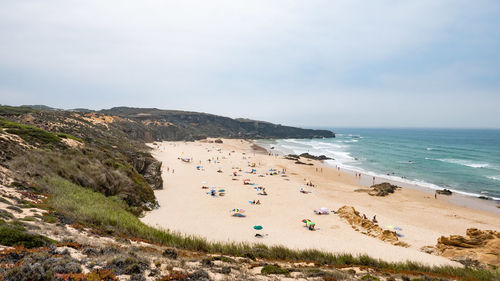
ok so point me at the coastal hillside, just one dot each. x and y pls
(74, 185)
(157, 124)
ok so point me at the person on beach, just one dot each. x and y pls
(311, 225)
(375, 219)
(373, 180)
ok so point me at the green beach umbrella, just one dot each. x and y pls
(257, 227)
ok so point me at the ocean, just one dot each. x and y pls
(462, 160)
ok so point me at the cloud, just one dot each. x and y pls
(259, 59)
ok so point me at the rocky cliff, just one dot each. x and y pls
(155, 124)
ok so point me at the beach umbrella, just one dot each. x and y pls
(238, 210)
(222, 190)
(306, 220)
(257, 227)
(239, 215)
(310, 223)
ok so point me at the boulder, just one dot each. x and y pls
(292, 157)
(218, 141)
(313, 157)
(382, 189)
(302, 163)
(444, 192)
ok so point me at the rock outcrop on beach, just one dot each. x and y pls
(382, 189)
(314, 157)
(368, 227)
(296, 158)
(444, 192)
(475, 248)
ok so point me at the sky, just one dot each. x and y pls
(352, 63)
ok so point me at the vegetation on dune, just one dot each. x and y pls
(14, 234)
(68, 136)
(110, 215)
(91, 168)
(106, 161)
(273, 269)
(14, 110)
(30, 134)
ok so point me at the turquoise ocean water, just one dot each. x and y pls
(466, 161)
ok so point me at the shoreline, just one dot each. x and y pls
(459, 198)
(187, 208)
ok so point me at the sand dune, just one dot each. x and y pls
(187, 208)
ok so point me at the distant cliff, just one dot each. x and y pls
(155, 124)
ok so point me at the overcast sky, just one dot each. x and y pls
(421, 63)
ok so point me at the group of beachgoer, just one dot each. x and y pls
(262, 191)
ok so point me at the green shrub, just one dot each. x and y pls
(273, 269)
(13, 235)
(49, 218)
(6, 215)
(30, 134)
(15, 209)
(68, 136)
(5, 201)
(369, 277)
(14, 110)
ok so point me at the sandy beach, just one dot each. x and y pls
(187, 208)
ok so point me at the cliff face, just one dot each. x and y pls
(156, 124)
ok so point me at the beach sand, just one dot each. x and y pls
(187, 208)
